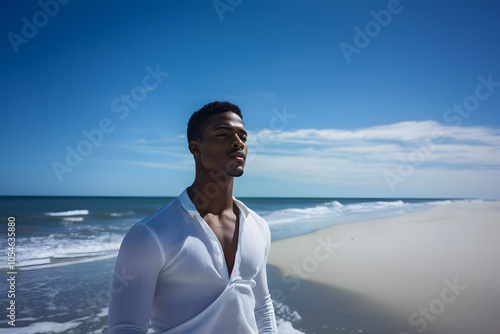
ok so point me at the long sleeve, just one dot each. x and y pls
(264, 310)
(134, 280)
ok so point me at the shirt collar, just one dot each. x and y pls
(189, 206)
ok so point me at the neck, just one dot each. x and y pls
(212, 193)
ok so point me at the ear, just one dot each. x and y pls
(194, 147)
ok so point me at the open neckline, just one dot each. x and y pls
(213, 237)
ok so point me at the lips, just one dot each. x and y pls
(238, 156)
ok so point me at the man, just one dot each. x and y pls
(198, 265)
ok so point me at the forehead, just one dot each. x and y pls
(227, 118)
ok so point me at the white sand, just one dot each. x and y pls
(407, 265)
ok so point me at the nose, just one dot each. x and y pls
(237, 142)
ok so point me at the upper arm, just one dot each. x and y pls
(134, 280)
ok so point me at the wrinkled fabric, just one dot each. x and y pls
(171, 271)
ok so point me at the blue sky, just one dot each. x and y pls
(341, 98)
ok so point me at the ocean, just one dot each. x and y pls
(66, 249)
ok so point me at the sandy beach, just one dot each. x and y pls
(434, 271)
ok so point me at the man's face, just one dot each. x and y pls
(222, 146)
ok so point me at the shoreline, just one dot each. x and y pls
(357, 277)
(421, 271)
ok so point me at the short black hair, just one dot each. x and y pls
(198, 118)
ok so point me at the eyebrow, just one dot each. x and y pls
(227, 127)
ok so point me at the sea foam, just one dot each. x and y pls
(68, 213)
(289, 222)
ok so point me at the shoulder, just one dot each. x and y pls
(254, 219)
(169, 212)
(258, 219)
(161, 228)
(159, 223)
(175, 218)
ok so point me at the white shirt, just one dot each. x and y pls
(171, 269)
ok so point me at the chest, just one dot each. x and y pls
(227, 233)
(199, 255)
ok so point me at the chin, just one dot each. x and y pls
(235, 169)
(236, 173)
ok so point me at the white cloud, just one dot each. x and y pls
(402, 132)
(424, 156)
(362, 157)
